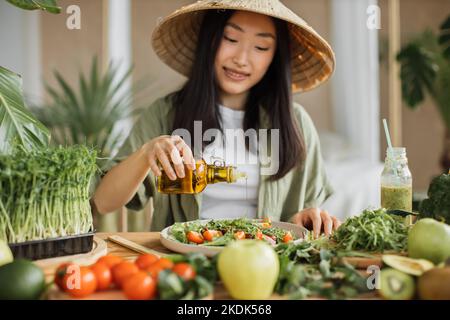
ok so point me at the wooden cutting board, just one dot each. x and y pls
(375, 260)
(99, 249)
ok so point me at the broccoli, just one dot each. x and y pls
(437, 206)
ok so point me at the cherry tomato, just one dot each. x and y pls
(103, 274)
(59, 275)
(139, 286)
(158, 266)
(209, 235)
(110, 260)
(259, 235)
(184, 270)
(239, 235)
(80, 283)
(287, 237)
(122, 271)
(266, 223)
(146, 260)
(154, 271)
(195, 237)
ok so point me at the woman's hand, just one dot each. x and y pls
(316, 219)
(168, 151)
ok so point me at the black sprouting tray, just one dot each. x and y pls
(54, 247)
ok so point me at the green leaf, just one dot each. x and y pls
(444, 38)
(170, 285)
(418, 72)
(88, 113)
(17, 124)
(46, 5)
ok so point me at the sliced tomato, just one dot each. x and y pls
(210, 235)
(239, 235)
(287, 237)
(266, 223)
(195, 237)
(259, 235)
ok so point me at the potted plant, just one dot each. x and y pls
(44, 199)
(425, 68)
(87, 114)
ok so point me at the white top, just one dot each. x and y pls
(239, 199)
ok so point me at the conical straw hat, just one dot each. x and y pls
(175, 39)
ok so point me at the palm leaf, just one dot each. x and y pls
(443, 98)
(417, 72)
(17, 124)
(46, 5)
(89, 113)
(444, 38)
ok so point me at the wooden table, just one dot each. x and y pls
(149, 240)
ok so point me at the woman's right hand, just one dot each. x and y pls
(168, 151)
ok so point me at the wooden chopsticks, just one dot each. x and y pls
(134, 246)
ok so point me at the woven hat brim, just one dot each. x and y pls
(312, 59)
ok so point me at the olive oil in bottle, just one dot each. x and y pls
(195, 181)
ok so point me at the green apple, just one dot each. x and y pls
(429, 239)
(249, 269)
(6, 255)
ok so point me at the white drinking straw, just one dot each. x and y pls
(388, 136)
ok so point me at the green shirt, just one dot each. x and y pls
(304, 187)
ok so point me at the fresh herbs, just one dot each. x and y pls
(307, 269)
(373, 230)
(45, 193)
(171, 286)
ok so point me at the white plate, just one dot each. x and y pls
(171, 243)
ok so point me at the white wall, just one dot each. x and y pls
(20, 46)
(355, 84)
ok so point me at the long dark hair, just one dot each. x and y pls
(198, 99)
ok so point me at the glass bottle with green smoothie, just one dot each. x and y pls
(396, 181)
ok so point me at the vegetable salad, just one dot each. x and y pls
(221, 232)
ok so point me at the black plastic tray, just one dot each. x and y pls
(54, 247)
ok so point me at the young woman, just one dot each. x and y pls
(242, 60)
